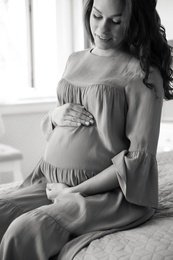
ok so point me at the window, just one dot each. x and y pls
(165, 12)
(13, 48)
(36, 38)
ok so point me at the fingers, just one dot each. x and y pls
(82, 111)
(49, 186)
(78, 115)
(78, 120)
(71, 114)
(48, 193)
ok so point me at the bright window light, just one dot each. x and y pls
(36, 38)
(13, 49)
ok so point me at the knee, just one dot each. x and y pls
(23, 229)
(14, 239)
(8, 212)
(22, 238)
(28, 237)
(18, 230)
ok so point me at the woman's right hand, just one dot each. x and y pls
(71, 114)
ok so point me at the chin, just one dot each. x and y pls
(103, 46)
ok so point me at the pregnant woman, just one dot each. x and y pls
(99, 171)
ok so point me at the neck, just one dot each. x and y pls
(109, 52)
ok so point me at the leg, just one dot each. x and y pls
(41, 233)
(34, 235)
(16, 203)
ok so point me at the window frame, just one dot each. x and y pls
(34, 72)
(30, 41)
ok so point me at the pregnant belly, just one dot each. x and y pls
(77, 148)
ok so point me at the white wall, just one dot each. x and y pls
(23, 131)
(165, 10)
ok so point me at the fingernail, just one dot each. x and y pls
(90, 116)
(91, 121)
(87, 123)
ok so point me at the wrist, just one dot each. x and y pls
(78, 189)
(73, 189)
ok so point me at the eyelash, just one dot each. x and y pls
(99, 17)
(116, 22)
(96, 17)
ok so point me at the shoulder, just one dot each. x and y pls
(156, 79)
(75, 59)
(155, 76)
(133, 71)
(76, 56)
(135, 84)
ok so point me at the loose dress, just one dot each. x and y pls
(124, 134)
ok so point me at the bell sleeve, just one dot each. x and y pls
(47, 126)
(136, 167)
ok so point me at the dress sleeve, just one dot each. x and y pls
(136, 167)
(46, 123)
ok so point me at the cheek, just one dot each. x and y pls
(92, 25)
(118, 33)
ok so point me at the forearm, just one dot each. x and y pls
(102, 182)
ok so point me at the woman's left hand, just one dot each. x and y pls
(53, 190)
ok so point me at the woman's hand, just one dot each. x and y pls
(54, 190)
(71, 115)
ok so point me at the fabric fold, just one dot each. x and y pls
(71, 177)
(46, 125)
(137, 174)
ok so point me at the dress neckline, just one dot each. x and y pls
(102, 56)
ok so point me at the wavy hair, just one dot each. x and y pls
(145, 38)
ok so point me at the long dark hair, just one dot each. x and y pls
(145, 37)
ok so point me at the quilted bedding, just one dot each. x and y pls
(151, 241)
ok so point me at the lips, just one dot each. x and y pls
(103, 38)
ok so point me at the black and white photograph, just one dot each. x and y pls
(86, 130)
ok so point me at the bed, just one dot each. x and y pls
(151, 241)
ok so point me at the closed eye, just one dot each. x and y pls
(97, 16)
(116, 22)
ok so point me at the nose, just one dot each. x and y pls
(104, 27)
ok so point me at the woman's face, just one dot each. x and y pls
(105, 24)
